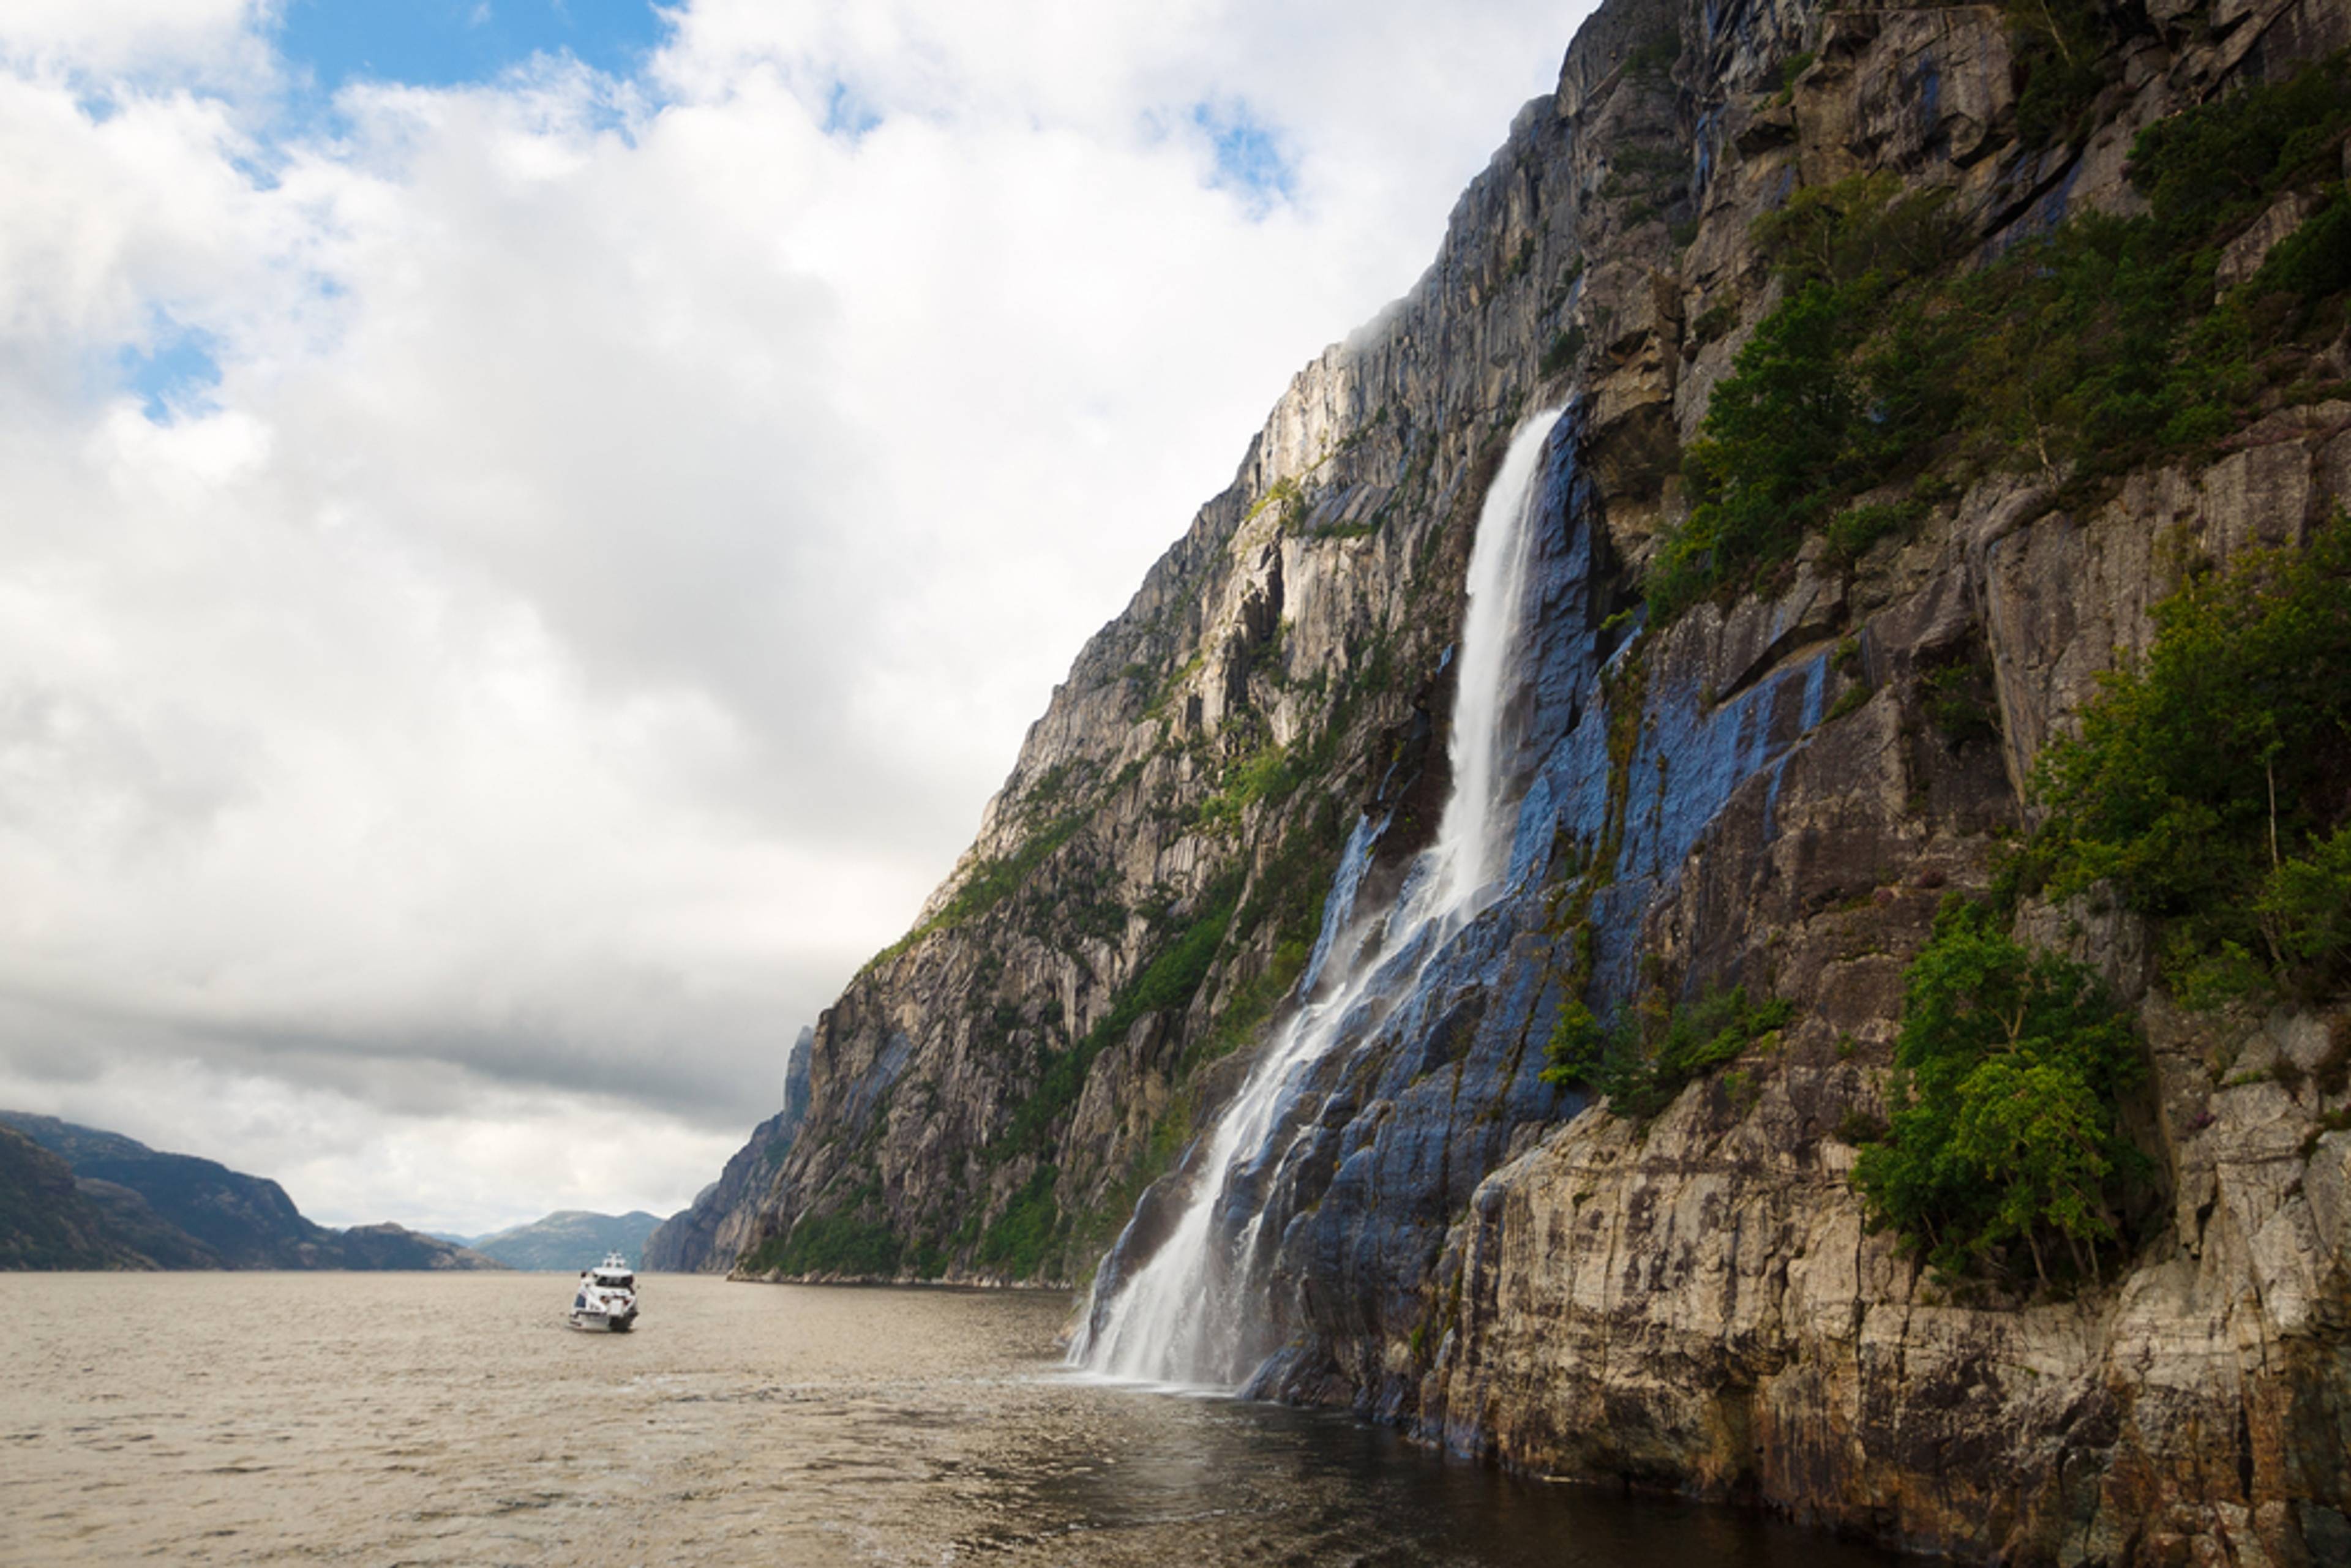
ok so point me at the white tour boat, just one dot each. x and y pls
(607, 1298)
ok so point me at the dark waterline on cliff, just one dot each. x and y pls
(1338, 1488)
(219, 1418)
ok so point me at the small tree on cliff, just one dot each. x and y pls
(2004, 1129)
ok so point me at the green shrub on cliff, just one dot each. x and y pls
(2080, 354)
(2004, 1133)
(2219, 163)
(2066, 50)
(2208, 786)
(990, 883)
(2207, 791)
(1806, 421)
(1656, 1046)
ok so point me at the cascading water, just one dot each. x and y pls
(1183, 1317)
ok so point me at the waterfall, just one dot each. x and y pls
(1183, 1317)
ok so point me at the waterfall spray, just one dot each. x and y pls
(1184, 1316)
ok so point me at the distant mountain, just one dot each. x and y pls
(135, 1223)
(45, 1223)
(570, 1240)
(177, 1212)
(705, 1238)
(388, 1246)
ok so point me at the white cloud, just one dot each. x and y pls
(116, 37)
(355, 1152)
(632, 526)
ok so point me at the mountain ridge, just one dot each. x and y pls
(569, 1239)
(180, 1211)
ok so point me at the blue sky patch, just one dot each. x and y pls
(848, 115)
(1250, 158)
(175, 374)
(450, 43)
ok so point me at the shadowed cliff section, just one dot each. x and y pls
(1792, 677)
(45, 1223)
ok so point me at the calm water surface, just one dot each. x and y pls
(396, 1419)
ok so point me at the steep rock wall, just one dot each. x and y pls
(710, 1233)
(1038, 1045)
(1459, 1247)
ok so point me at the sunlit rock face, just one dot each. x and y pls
(1020, 1091)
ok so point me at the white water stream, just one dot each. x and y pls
(1181, 1318)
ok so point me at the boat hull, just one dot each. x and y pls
(606, 1301)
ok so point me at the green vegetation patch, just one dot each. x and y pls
(1566, 346)
(1252, 1004)
(1027, 1234)
(1170, 980)
(2006, 1143)
(1805, 422)
(1287, 499)
(1654, 54)
(2067, 51)
(990, 883)
(2208, 784)
(1091, 1232)
(1790, 69)
(1266, 774)
(1657, 1046)
(839, 1243)
(2082, 354)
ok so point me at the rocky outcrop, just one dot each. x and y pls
(1703, 1308)
(1698, 1304)
(709, 1234)
(1761, 792)
(388, 1246)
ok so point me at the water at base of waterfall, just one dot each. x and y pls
(221, 1418)
(1184, 1318)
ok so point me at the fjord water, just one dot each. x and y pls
(1188, 1315)
(451, 1419)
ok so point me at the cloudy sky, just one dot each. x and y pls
(529, 528)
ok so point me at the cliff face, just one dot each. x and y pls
(709, 1234)
(1776, 796)
(990, 1096)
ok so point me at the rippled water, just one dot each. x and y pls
(451, 1418)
